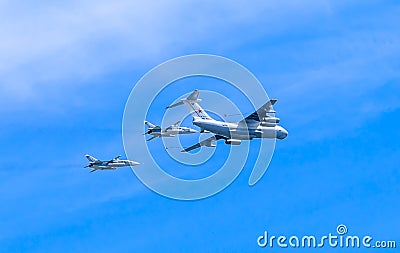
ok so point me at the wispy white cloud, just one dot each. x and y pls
(47, 45)
(48, 49)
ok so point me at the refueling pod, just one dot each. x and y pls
(233, 142)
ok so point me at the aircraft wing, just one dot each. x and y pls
(112, 160)
(207, 142)
(152, 137)
(109, 168)
(176, 124)
(261, 112)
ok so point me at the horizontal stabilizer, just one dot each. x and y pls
(174, 105)
(193, 97)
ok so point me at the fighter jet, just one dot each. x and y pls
(260, 124)
(112, 164)
(170, 131)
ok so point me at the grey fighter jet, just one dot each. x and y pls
(260, 124)
(112, 164)
(170, 131)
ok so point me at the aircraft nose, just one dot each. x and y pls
(282, 134)
(134, 163)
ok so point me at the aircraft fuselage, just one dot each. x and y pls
(241, 132)
(113, 165)
(172, 131)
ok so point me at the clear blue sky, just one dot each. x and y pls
(66, 71)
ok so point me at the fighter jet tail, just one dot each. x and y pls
(91, 158)
(150, 124)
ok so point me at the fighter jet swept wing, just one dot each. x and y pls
(207, 142)
(176, 124)
(114, 159)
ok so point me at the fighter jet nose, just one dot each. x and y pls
(134, 163)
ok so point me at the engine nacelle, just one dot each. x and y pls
(268, 124)
(233, 142)
(271, 120)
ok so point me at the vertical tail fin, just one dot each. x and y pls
(192, 104)
(91, 158)
(150, 124)
(196, 110)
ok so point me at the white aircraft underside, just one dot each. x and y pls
(232, 130)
